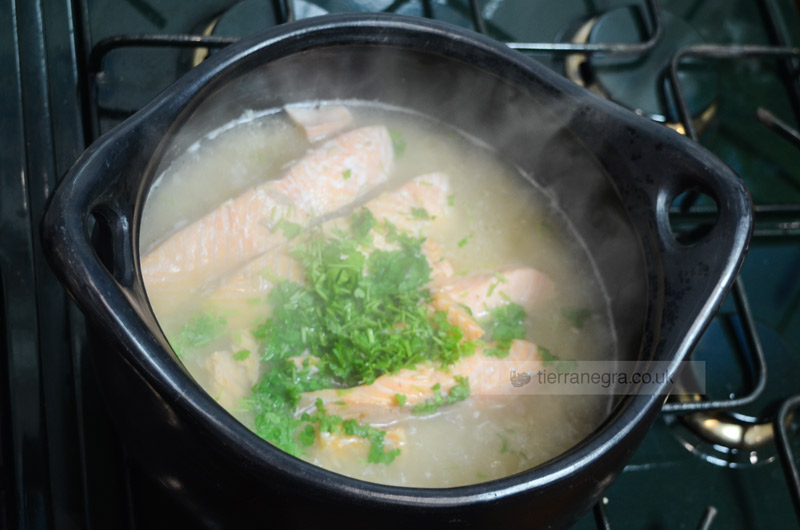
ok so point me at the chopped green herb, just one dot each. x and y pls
(463, 242)
(361, 223)
(500, 277)
(274, 400)
(307, 435)
(420, 213)
(492, 287)
(241, 355)
(508, 323)
(200, 330)
(549, 359)
(496, 351)
(576, 316)
(451, 200)
(425, 183)
(290, 230)
(398, 143)
(347, 173)
(361, 313)
(546, 356)
(505, 448)
(459, 392)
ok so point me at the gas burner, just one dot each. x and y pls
(630, 80)
(725, 440)
(745, 436)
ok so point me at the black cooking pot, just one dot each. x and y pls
(611, 173)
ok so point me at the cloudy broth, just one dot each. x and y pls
(497, 219)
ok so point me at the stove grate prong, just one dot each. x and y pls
(754, 345)
(779, 126)
(619, 48)
(788, 459)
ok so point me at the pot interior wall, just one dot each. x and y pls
(527, 123)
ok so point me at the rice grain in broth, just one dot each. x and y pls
(497, 220)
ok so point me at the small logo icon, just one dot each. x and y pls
(520, 379)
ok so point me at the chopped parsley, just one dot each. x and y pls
(451, 200)
(307, 435)
(505, 448)
(362, 222)
(398, 143)
(459, 392)
(463, 242)
(347, 173)
(290, 230)
(507, 323)
(241, 355)
(361, 316)
(576, 316)
(549, 359)
(200, 330)
(335, 424)
(361, 313)
(420, 213)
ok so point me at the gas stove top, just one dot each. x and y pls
(725, 73)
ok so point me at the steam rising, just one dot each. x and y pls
(525, 121)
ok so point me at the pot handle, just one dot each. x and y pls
(700, 270)
(88, 238)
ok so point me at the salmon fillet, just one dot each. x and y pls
(341, 445)
(482, 292)
(231, 379)
(441, 268)
(242, 296)
(319, 122)
(415, 205)
(367, 401)
(457, 316)
(337, 449)
(325, 180)
(254, 280)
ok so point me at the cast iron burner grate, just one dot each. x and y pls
(129, 490)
